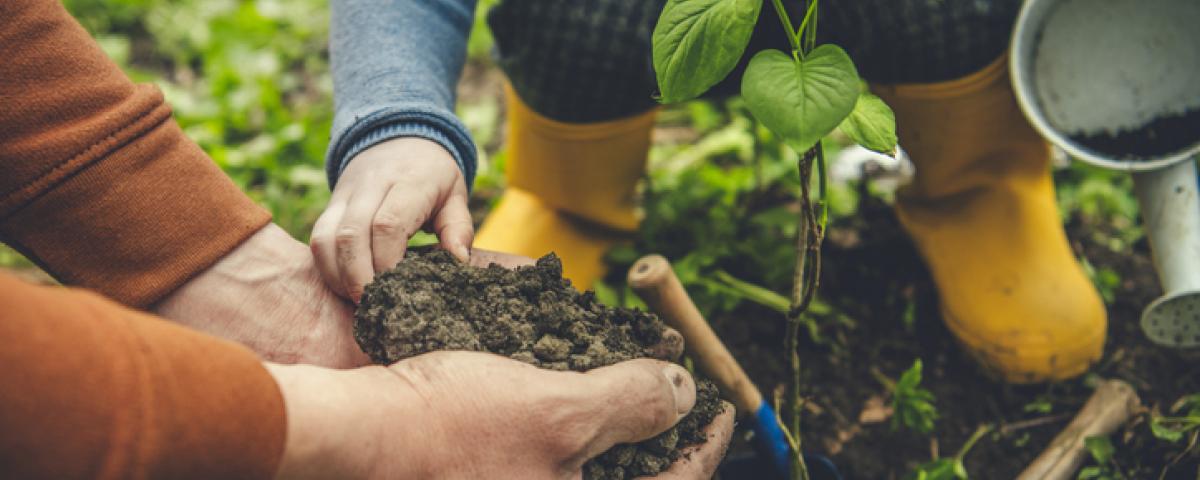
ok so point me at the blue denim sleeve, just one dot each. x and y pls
(395, 66)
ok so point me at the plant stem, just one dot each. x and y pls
(754, 293)
(810, 231)
(979, 433)
(793, 36)
(805, 278)
(812, 32)
(808, 28)
(822, 189)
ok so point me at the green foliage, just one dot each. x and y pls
(1101, 450)
(801, 97)
(912, 405)
(721, 203)
(479, 45)
(1185, 422)
(801, 100)
(698, 42)
(1105, 279)
(248, 81)
(941, 469)
(1041, 405)
(949, 468)
(872, 124)
(1103, 200)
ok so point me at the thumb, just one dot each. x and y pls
(638, 399)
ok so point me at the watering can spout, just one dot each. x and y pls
(1170, 207)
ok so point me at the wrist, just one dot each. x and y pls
(315, 429)
(266, 294)
(332, 431)
(228, 285)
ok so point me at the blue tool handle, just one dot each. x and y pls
(771, 438)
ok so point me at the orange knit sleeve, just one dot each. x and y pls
(98, 185)
(90, 389)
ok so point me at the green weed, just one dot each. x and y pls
(1101, 450)
(949, 468)
(912, 405)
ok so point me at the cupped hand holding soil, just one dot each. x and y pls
(430, 302)
(459, 415)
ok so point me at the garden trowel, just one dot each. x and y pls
(652, 278)
(1116, 84)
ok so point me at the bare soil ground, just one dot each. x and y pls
(874, 275)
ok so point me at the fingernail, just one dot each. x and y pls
(682, 386)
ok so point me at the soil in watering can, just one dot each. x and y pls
(1160, 137)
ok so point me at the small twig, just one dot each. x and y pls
(1191, 445)
(1033, 422)
(1109, 407)
(888, 383)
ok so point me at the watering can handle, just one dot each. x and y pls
(653, 280)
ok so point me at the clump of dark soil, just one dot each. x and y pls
(1160, 137)
(430, 302)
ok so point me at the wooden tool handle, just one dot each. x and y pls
(654, 281)
(1109, 407)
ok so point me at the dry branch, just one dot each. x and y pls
(1109, 407)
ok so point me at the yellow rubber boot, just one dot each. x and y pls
(570, 189)
(982, 213)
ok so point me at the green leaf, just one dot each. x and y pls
(1163, 432)
(940, 469)
(911, 377)
(801, 101)
(1190, 404)
(872, 124)
(1101, 449)
(960, 470)
(696, 44)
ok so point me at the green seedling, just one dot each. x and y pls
(949, 468)
(912, 405)
(1105, 279)
(1101, 450)
(1186, 421)
(801, 96)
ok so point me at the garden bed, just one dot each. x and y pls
(875, 279)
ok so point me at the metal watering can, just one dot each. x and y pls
(1112, 82)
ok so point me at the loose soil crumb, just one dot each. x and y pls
(430, 302)
(1162, 136)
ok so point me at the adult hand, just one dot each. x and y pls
(457, 415)
(386, 194)
(267, 295)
